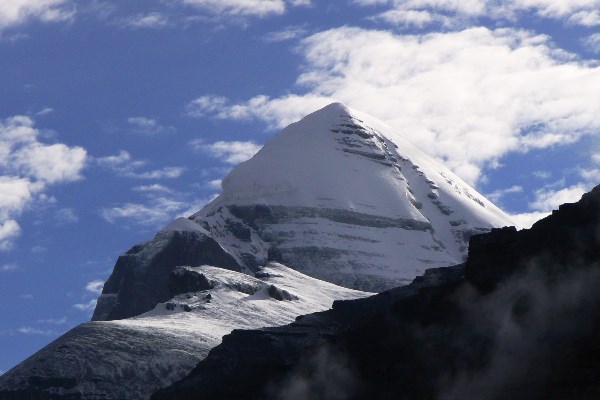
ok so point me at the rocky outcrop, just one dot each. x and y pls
(142, 277)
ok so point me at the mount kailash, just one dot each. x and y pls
(337, 206)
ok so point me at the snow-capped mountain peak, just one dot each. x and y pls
(343, 197)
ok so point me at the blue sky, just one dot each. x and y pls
(116, 117)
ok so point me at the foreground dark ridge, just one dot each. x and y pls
(522, 323)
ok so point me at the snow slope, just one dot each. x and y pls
(345, 198)
(131, 358)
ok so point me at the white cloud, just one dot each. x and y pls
(497, 195)
(153, 20)
(28, 330)
(9, 267)
(526, 220)
(28, 168)
(95, 286)
(468, 97)
(152, 188)
(148, 126)
(410, 18)
(17, 12)
(585, 18)
(258, 8)
(124, 165)
(579, 12)
(154, 212)
(547, 199)
(53, 321)
(51, 163)
(89, 306)
(65, 216)
(206, 105)
(233, 152)
(289, 33)
(277, 113)
(592, 42)
(542, 174)
(215, 184)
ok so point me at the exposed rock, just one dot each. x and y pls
(140, 279)
(184, 280)
(280, 294)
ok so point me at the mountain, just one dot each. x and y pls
(520, 320)
(336, 206)
(342, 197)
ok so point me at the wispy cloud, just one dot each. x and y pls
(95, 286)
(124, 165)
(152, 188)
(66, 216)
(233, 152)
(151, 20)
(276, 112)
(420, 13)
(157, 206)
(148, 126)
(497, 195)
(89, 306)
(258, 8)
(28, 330)
(289, 33)
(53, 321)
(9, 267)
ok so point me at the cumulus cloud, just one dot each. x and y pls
(17, 12)
(124, 165)
(467, 97)
(233, 152)
(28, 168)
(548, 199)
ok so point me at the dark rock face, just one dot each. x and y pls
(182, 280)
(520, 321)
(141, 277)
(566, 240)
